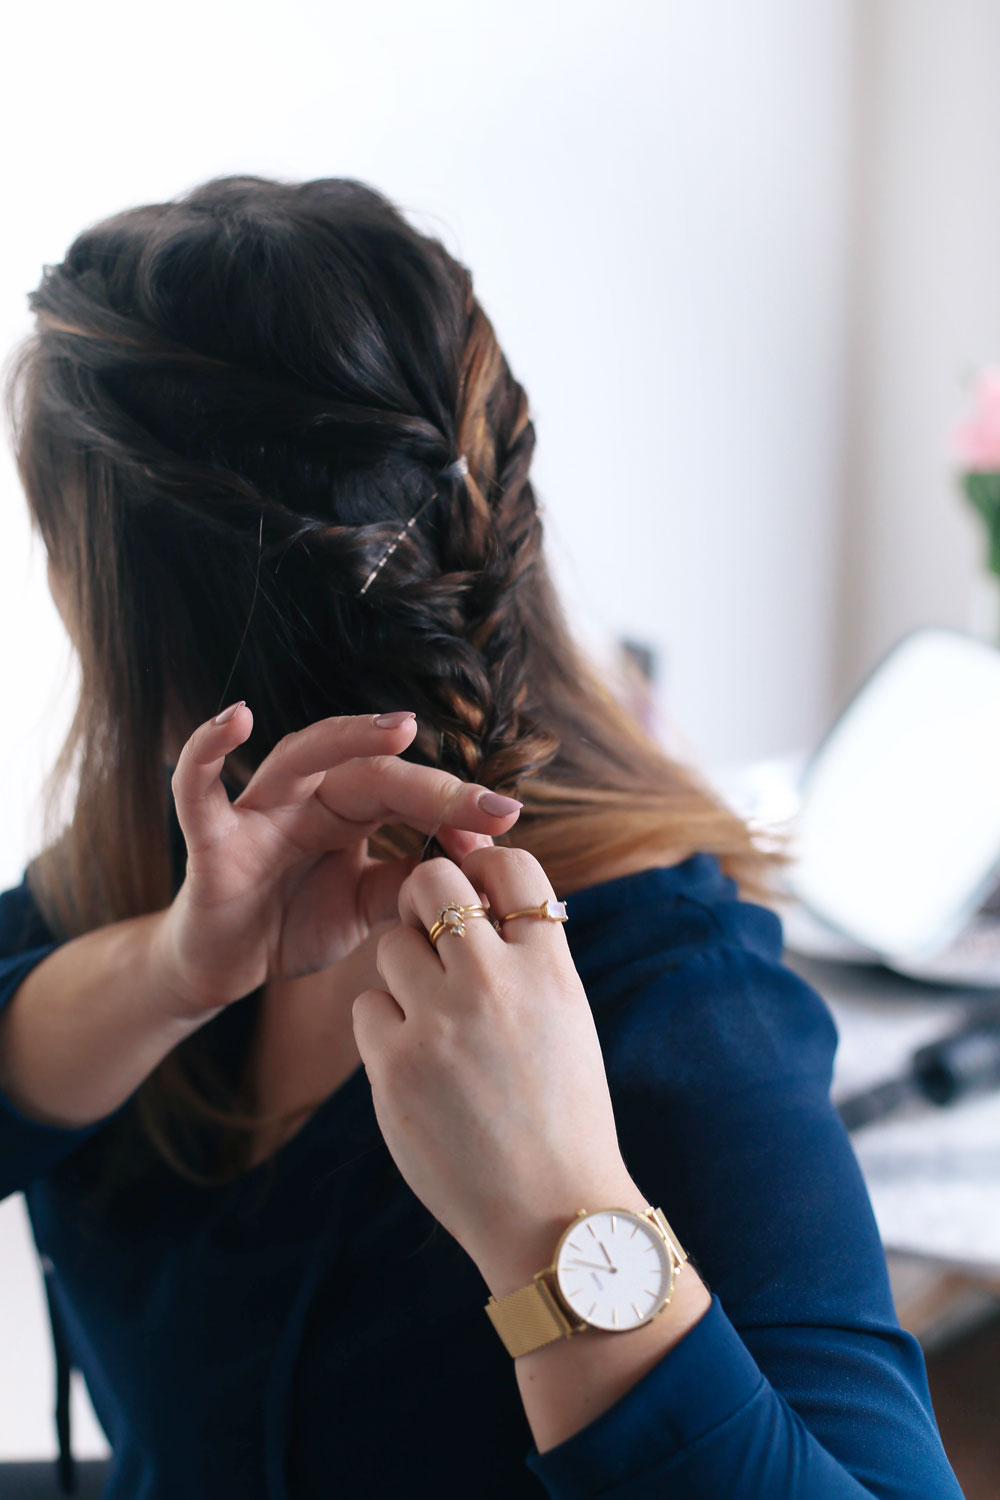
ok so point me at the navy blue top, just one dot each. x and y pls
(309, 1330)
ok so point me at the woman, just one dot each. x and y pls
(290, 1101)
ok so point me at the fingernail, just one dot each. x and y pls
(230, 712)
(497, 806)
(393, 721)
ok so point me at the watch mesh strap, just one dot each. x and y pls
(680, 1256)
(528, 1318)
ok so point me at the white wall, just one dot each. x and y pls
(653, 197)
(925, 316)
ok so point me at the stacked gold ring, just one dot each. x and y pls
(549, 911)
(452, 918)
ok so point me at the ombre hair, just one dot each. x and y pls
(233, 404)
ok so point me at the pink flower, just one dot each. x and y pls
(976, 441)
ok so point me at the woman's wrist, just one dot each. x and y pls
(88, 1024)
(568, 1383)
(170, 991)
(525, 1243)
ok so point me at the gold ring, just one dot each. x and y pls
(452, 918)
(549, 911)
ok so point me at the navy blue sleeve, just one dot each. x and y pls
(28, 1148)
(798, 1382)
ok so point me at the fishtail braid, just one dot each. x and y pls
(458, 609)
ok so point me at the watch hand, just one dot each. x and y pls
(607, 1257)
(593, 1265)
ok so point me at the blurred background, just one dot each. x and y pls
(744, 257)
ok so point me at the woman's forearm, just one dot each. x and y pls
(89, 1024)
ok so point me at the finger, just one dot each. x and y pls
(409, 967)
(427, 890)
(384, 790)
(298, 763)
(513, 880)
(203, 808)
(458, 844)
(377, 1019)
(342, 762)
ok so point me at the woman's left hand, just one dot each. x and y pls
(486, 1071)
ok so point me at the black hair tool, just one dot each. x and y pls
(966, 1061)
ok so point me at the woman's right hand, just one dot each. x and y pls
(279, 882)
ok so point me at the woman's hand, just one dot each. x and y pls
(486, 1071)
(279, 882)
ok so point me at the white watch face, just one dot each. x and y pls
(614, 1269)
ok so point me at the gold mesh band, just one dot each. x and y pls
(528, 1318)
(680, 1256)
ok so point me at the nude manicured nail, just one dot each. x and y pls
(230, 712)
(497, 806)
(393, 721)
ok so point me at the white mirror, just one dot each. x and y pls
(898, 830)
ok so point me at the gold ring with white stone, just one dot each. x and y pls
(451, 918)
(549, 911)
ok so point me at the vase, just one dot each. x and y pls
(984, 607)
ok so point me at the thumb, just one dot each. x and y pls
(379, 886)
(358, 970)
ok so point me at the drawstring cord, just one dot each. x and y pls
(65, 1463)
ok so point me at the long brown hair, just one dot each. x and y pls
(232, 406)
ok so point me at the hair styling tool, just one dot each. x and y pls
(964, 1062)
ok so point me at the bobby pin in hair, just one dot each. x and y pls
(392, 546)
(456, 470)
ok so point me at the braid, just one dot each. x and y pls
(456, 604)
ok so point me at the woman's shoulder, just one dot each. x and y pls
(22, 926)
(676, 962)
(672, 908)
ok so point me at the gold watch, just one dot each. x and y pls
(613, 1270)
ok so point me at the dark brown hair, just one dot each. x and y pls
(233, 404)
